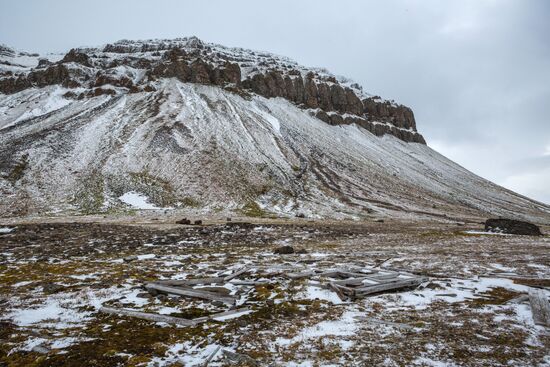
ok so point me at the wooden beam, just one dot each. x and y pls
(300, 275)
(195, 293)
(148, 316)
(209, 280)
(540, 307)
(236, 274)
(405, 283)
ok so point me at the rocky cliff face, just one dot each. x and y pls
(137, 67)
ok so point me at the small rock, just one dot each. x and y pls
(144, 295)
(40, 349)
(152, 292)
(198, 222)
(183, 221)
(130, 258)
(284, 250)
(218, 303)
(50, 288)
(301, 251)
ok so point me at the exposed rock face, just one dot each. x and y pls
(137, 66)
(55, 74)
(511, 226)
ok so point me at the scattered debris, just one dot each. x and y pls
(239, 359)
(511, 226)
(221, 316)
(211, 356)
(190, 292)
(519, 299)
(148, 316)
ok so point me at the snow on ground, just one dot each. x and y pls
(345, 326)
(314, 292)
(487, 233)
(6, 230)
(137, 200)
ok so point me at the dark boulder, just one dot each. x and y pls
(511, 226)
(183, 221)
(284, 250)
(50, 288)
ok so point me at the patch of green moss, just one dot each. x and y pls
(252, 209)
(90, 195)
(494, 296)
(190, 202)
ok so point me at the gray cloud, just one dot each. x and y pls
(476, 72)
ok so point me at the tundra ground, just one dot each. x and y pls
(54, 277)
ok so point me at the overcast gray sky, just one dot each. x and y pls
(475, 72)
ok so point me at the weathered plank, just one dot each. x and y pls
(148, 316)
(338, 292)
(220, 316)
(383, 276)
(249, 282)
(240, 359)
(300, 275)
(404, 283)
(209, 280)
(540, 307)
(195, 293)
(350, 281)
(519, 299)
(205, 364)
(236, 274)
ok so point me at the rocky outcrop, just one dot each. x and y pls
(336, 104)
(380, 110)
(192, 61)
(56, 74)
(305, 92)
(177, 64)
(78, 57)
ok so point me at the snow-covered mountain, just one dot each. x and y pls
(188, 124)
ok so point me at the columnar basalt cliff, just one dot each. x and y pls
(133, 67)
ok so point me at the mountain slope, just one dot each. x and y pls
(221, 147)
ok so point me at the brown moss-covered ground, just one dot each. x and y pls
(54, 276)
